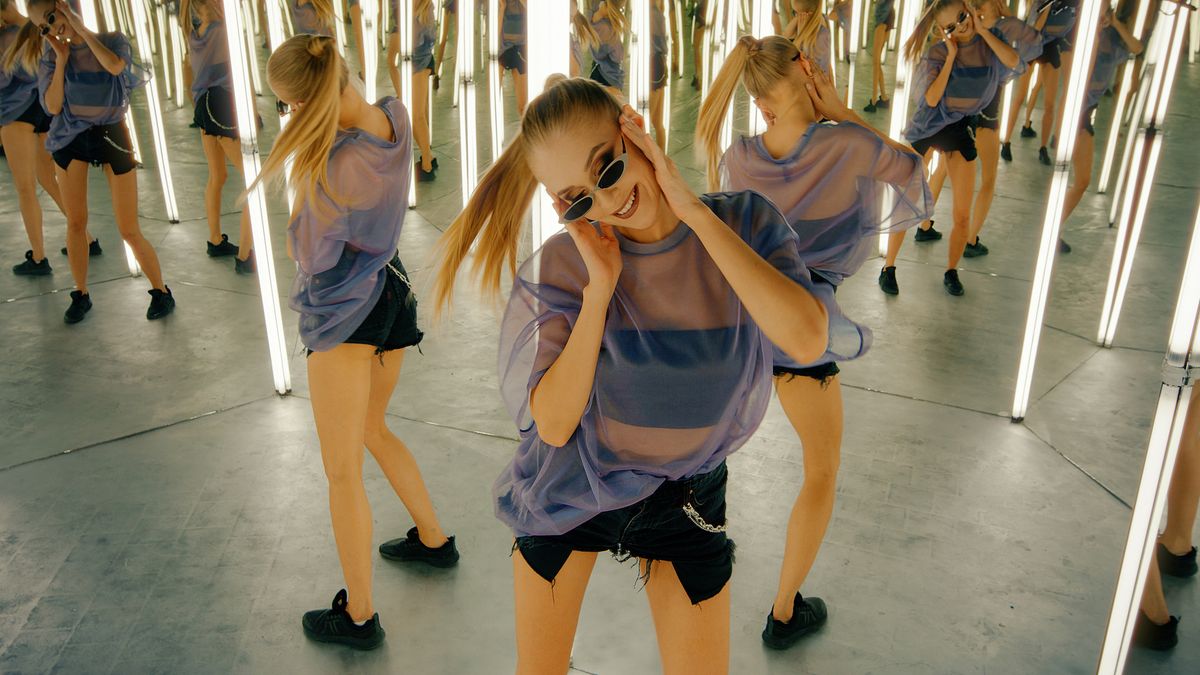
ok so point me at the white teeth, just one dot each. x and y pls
(628, 204)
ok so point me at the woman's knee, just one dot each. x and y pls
(344, 468)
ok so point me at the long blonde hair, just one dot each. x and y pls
(309, 69)
(1001, 8)
(806, 35)
(584, 32)
(26, 49)
(496, 211)
(915, 45)
(616, 14)
(324, 11)
(759, 65)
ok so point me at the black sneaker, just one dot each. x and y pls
(928, 235)
(246, 266)
(887, 281)
(424, 176)
(433, 163)
(437, 82)
(884, 103)
(1028, 132)
(1150, 635)
(410, 549)
(29, 268)
(870, 107)
(161, 304)
(81, 304)
(1063, 246)
(952, 284)
(1044, 156)
(807, 617)
(695, 83)
(225, 248)
(975, 250)
(1006, 151)
(1177, 565)
(335, 626)
(1054, 141)
(93, 248)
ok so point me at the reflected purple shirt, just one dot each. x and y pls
(609, 55)
(1111, 51)
(209, 56)
(18, 88)
(91, 95)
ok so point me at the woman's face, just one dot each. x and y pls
(47, 18)
(569, 163)
(953, 19)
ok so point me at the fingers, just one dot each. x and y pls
(606, 232)
(640, 138)
(629, 111)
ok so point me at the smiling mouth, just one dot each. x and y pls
(630, 205)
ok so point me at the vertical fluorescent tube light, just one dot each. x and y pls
(851, 37)
(1174, 396)
(496, 77)
(639, 64)
(907, 16)
(1194, 32)
(370, 27)
(339, 26)
(1124, 86)
(268, 290)
(728, 21)
(1072, 102)
(1162, 60)
(865, 27)
(247, 28)
(161, 25)
(276, 34)
(467, 142)
(549, 45)
(176, 38)
(404, 24)
(760, 22)
(712, 42)
(154, 105)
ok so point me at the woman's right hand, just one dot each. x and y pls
(951, 45)
(62, 48)
(600, 251)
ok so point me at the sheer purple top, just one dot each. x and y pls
(18, 88)
(1111, 51)
(342, 251)
(305, 20)
(512, 25)
(822, 49)
(658, 30)
(609, 55)
(1059, 23)
(976, 76)
(91, 95)
(843, 10)
(209, 56)
(683, 377)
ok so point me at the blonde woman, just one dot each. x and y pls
(809, 32)
(608, 56)
(885, 23)
(634, 358)
(583, 36)
(85, 79)
(512, 27)
(351, 166)
(211, 88)
(313, 17)
(830, 181)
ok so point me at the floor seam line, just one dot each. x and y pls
(1079, 468)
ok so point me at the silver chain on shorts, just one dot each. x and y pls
(211, 117)
(699, 521)
(116, 145)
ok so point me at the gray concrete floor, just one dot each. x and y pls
(162, 510)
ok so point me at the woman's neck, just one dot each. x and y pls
(788, 129)
(355, 113)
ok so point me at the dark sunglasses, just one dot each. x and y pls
(608, 178)
(962, 17)
(50, 19)
(282, 108)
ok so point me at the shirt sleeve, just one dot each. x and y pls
(134, 75)
(1023, 38)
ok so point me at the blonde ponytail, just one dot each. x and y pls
(309, 70)
(588, 39)
(616, 15)
(25, 51)
(759, 65)
(806, 35)
(495, 213)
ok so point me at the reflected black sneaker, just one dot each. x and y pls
(807, 617)
(870, 107)
(883, 103)
(1006, 151)
(433, 163)
(1063, 246)
(952, 284)
(1054, 141)
(424, 176)
(225, 248)
(975, 250)
(81, 304)
(161, 303)
(1177, 565)
(1044, 156)
(93, 248)
(927, 235)
(335, 626)
(1151, 635)
(29, 268)
(887, 281)
(410, 549)
(246, 266)
(1028, 132)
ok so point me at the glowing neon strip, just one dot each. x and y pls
(851, 36)
(255, 75)
(339, 27)
(760, 16)
(640, 49)
(495, 75)
(154, 106)
(256, 200)
(549, 45)
(467, 141)
(908, 15)
(1072, 101)
(405, 25)
(370, 65)
(1006, 103)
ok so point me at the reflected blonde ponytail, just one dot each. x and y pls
(584, 32)
(914, 47)
(26, 49)
(616, 15)
(308, 69)
(806, 35)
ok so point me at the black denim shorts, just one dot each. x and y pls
(392, 323)
(682, 523)
(36, 116)
(1052, 52)
(822, 373)
(513, 58)
(216, 115)
(100, 145)
(598, 76)
(989, 117)
(958, 137)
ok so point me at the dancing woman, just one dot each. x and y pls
(608, 56)
(885, 23)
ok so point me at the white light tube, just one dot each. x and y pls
(256, 200)
(467, 141)
(154, 106)
(865, 27)
(670, 69)
(1194, 41)
(1124, 86)
(712, 45)
(729, 37)
(251, 61)
(404, 24)
(276, 35)
(339, 27)
(908, 15)
(161, 28)
(495, 78)
(636, 93)
(1072, 102)
(851, 37)
(370, 65)
(549, 45)
(1161, 63)
(176, 38)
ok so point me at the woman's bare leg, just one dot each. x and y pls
(548, 614)
(1183, 498)
(656, 117)
(1050, 104)
(216, 183)
(877, 47)
(521, 88)
(1081, 160)
(124, 193)
(393, 61)
(962, 185)
(692, 639)
(1020, 91)
(420, 117)
(20, 146)
(987, 142)
(73, 182)
(233, 154)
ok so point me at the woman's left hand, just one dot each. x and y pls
(64, 11)
(825, 98)
(680, 198)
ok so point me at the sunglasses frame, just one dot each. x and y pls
(282, 108)
(962, 16)
(590, 197)
(50, 17)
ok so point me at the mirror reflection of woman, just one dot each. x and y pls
(424, 38)
(351, 163)
(608, 56)
(85, 80)
(953, 80)
(808, 31)
(829, 180)
(513, 29)
(313, 17)
(885, 23)
(449, 22)
(1057, 25)
(583, 36)
(203, 23)
(658, 71)
(23, 126)
(635, 357)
